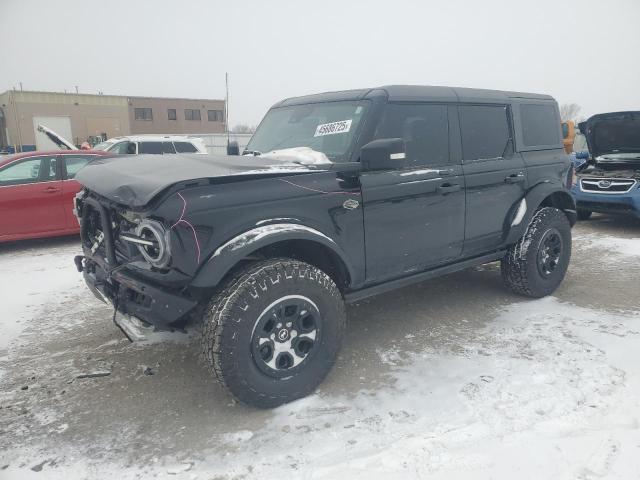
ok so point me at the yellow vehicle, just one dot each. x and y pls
(568, 134)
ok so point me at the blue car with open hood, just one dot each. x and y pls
(609, 182)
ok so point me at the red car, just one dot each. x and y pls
(36, 193)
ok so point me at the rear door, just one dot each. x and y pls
(30, 196)
(495, 176)
(71, 164)
(414, 217)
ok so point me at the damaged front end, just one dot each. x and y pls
(121, 255)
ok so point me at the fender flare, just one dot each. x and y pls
(522, 212)
(225, 257)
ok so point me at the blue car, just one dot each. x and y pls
(608, 177)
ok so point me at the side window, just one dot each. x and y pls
(73, 163)
(167, 147)
(540, 125)
(185, 147)
(485, 131)
(424, 128)
(150, 147)
(123, 148)
(31, 170)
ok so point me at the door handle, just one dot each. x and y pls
(515, 178)
(51, 190)
(448, 188)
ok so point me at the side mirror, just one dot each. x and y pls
(383, 154)
(583, 155)
(233, 148)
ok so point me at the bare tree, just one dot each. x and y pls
(242, 128)
(569, 111)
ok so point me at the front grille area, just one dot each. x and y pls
(607, 185)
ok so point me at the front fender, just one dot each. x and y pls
(239, 247)
(546, 193)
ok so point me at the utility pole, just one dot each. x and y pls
(76, 89)
(226, 106)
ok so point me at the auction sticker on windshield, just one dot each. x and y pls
(343, 126)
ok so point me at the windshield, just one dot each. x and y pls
(329, 128)
(103, 146)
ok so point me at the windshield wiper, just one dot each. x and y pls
(255, 153)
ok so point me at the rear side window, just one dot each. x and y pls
(167, 147)
(73, 163)
(424, 129)
(150, 147)
(485, 131)
(539, 125)
(185, 147)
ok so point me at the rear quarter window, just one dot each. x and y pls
(185, 147)
(540, 125)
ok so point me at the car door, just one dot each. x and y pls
(414, 216)
(495, 176)
(30, 196)
(71, 164)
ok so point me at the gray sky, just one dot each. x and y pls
(583, 51)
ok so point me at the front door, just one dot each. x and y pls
(495, 176)
(31, 196)
(414, 217)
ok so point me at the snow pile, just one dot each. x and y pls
(300, 155)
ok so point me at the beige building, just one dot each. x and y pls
(175, 115)
(86, 117)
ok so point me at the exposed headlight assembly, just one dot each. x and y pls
(152, 241)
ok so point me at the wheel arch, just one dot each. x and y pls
(541, 195)
(276, 240)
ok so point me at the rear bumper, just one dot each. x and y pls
(131, 296)
(626, 203)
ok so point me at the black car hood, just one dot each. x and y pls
(134, 180)
(617, 132)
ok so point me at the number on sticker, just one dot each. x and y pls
(343, 126)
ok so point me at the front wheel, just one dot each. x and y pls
(273, 333)
(537, 263)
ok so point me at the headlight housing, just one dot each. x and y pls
(153, 243)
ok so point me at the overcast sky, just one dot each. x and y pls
(578, 51)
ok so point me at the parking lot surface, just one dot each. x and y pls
(453, 378)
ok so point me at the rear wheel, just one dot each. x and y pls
(537, 263)
(584, 214)
(274, 332)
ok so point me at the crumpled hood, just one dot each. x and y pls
(134, 180)
(617, 132)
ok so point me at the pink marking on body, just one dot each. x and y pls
(317, 191)
(186, 222)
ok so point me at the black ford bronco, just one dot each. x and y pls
(337, 197)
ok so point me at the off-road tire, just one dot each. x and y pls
(232, 314)
(519, 267)
(584, 214)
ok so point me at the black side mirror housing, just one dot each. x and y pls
(233, 148)
(383, 154)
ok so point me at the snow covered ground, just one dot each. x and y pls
(450, 379)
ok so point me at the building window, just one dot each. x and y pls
(190, 114)
(215, 115)
(143, 114)
(171, 113)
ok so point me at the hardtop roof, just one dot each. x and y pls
(408, 93)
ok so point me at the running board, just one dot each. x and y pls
(421, 277)
(133, 328)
